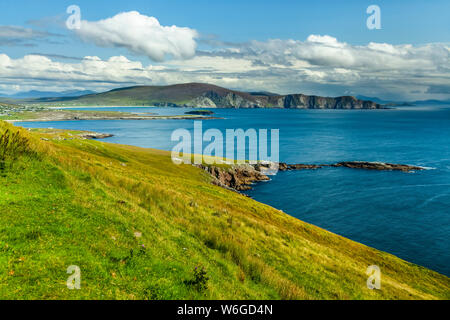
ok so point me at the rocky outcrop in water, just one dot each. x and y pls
(236, 177)
(286, 167)
(377, 166)
(241, 177)
(200, 112)
(95, 135)
(382, 166)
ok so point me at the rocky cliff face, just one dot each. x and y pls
(292, 101)
(237, 177)
(301, 101)
(233, 100)
(203, 95)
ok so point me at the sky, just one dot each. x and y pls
(313, 47)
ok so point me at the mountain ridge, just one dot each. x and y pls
(209, 96)
(36, 94)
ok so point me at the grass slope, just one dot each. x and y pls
(65, 115)
(138, 225)
(145, 95)
(56, 115)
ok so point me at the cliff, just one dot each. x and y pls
(209, 96)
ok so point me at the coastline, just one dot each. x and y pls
(128, 181)
(240, 177)
(118, 118)
(255, 182)
(88, 107)
(78, 117)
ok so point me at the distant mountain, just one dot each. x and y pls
(208, 96)
(375, 99)
(432, 102)
(44, 94)
(402, 103)
(264, 93)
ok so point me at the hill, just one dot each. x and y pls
(404, 103)
(209, 96)
(43, 94)
(438, 102)
(140, 227)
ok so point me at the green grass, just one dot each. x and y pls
(93, 204)
(9, 105)
(36, 115)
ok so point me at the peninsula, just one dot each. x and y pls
(200, 95)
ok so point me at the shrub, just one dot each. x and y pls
(200, 280)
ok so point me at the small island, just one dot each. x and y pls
(200, 112)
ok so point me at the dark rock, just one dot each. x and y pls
(377, 166)
(287, 167)
(241, 177)
(237, 177)
(200, 112)
(95, 135)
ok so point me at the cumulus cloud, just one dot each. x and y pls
(320, 65)
(326, 51)
(141, 35)
(39, 72)
(325, 40)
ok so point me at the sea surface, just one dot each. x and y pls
(406, 214)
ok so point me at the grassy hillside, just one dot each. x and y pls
(205, 96)
(65, 115)
(8, 105)
(138, 226)
(178, 94)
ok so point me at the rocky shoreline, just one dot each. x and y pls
(236, 177)
(353, 165)
(95, 135)
(77, 118)
(240, 177)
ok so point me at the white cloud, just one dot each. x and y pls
(320, 65)
(326, 51)
(140, 34)
(35, 72)
(325, 40)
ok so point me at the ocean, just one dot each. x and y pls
(406, 214)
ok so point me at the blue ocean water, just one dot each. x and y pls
(406, 214)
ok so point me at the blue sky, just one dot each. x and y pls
(246, 27)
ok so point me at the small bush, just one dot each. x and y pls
(200, 281)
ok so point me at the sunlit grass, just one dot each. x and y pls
(137, 225)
